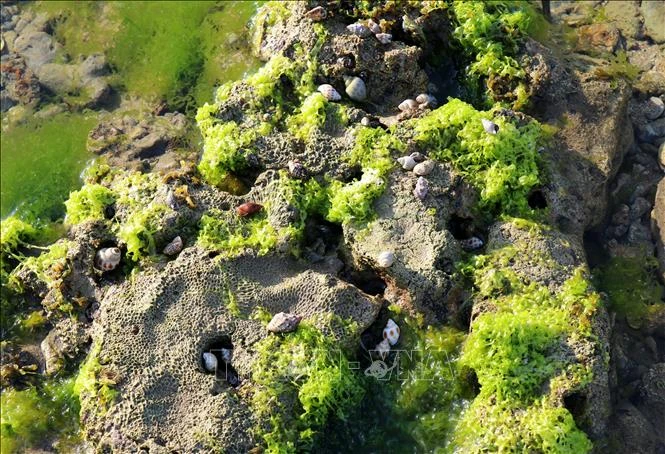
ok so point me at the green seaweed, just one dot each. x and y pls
(88, 203)
(138, 231)
(302, 381)
(502, 166)
(313, 114)
(94, 385)
(31, 415)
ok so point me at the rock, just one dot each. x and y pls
(622, 215)
(597, 39)
(652, 394)
(37, 48)
(625, 15)
(65, 341)
(631, 430)
(661, 156)
(653, 131)
(658, 226)
(58, 77)
(654, 14)
(640, 207)
(654, 108)
(19, 84)
(638, 233)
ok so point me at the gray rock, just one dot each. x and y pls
(658, 226)
(37, 48)
(638, 233)
(654, 19)
(654, 107)
(639, 208)
(57, 77)
(622, 215)
(652, 131)
(65, 341)
(661, 156)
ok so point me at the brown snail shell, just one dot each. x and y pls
(248, 209)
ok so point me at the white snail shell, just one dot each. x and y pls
(174, 247)
(384, 38)
(386, 259)
(316, 14)
(407, 162)
(209, 362)
(107, 258)
(355, 88)
(471, 244)
(391, 332)
(424, 98)
(359, 30)
(407, 104)
(490, 126)
(424, 168)
(374, 27)
(418, 157)
(329, 92)
(226, 354)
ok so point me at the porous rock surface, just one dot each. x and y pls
(154, 330)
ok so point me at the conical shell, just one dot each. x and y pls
(424, 168)
(391, 332)
(384, 38)
(355, 88)
(407, 104)
(329, 92)
(316, 14)
(417, 156)
(407, 162)
(424, 98)
(107, 258)
(209, 362)
(283, 323)
(490, 126)
(471, 244)
(421, 189)
(374, 27)
(386, 259)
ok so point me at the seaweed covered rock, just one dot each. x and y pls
(152, 332)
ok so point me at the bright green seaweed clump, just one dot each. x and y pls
(94, 384)
(302, 380)
(502, 166)
(31, 415)
(88, 203)
(313, 114)
(516, 350)
(14, 233)
(489, 33)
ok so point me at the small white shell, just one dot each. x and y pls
(107, 258)
(359, 30)
(171, 200)
(424, 168)
(471, 244)
(374, 27)
(407, 162)
(174, 247)
(316, 14)
(329, 92)
(384, 38)
(407, 104)
(385, 259)
(383, 348)
(421, 189)
(355, 88)
(425, 98)
(283, 322)
(391, 332)
(209, 362)
(226, 354)
(490, 126)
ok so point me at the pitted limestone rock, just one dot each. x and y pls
(154, 328)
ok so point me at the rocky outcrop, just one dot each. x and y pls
(658, 225)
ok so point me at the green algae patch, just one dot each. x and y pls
(302, 380)
(94, 385)
(138, 231)
(40, 163)
(88, 203)
(502, 166)
(632, 287)
(312, 116)
(517, 350)
(32, 415)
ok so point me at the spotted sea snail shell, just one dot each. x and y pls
(174, 247)
(359, 30)
(471, 244)
(355, 88)
(424, 168)
(329, 92)
(391, 332)
(421, 189)
(107, 258)
(417, 156)
(283, 322)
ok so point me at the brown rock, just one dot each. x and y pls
(597, 39)
(658, 226)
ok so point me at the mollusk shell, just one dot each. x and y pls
(424, 168)
(471, 244)
(383, 348)
(490, 126)
(391, 332)
(424, 98)
(359, 30)
(421, 189)
(248, 209)
(174, 247)
(317, 14)
(355, 88)
(329, 92)
(226, 354)
(407, 162)
(418, 157)
(209, 362)
(407, 104)
(384, 38)
(386, 259)
(107, 258)
(374, 27)
(297, 170)
(171, 200)
(283, 322)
